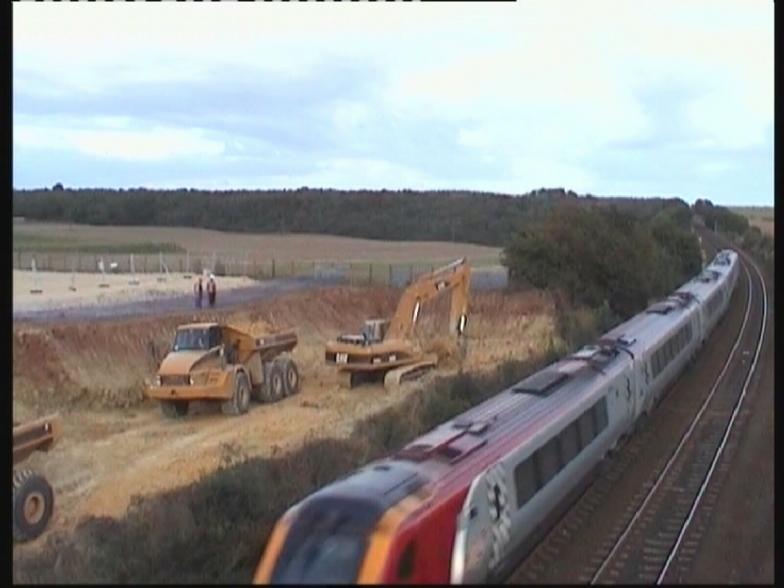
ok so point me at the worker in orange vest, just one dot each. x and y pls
(198, 292)
(212, 290)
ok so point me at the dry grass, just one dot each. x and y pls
(759, 216)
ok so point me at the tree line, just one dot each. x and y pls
(435, 215)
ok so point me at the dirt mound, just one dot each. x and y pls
(104, 364)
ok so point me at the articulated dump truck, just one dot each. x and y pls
(214, 362)
(33, 497)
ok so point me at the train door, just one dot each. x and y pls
(644, 382)
(633, 401)
(483, 528)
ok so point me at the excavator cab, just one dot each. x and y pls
(375, 330)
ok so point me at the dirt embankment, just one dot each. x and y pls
(117, 445)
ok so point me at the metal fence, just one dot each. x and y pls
(485, 271)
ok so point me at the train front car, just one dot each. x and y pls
(346, 533)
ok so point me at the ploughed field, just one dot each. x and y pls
(116, 444)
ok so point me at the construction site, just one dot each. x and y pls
(117, 443)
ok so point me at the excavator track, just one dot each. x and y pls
(393, 378)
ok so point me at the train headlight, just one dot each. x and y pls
(190, 380)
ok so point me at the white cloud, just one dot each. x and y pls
(537, 89)
(155, 144)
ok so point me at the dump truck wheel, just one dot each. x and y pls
(33, 502)
(277, 383)
(240, 400)
(174, 409)
(257, 393)
(291, 376)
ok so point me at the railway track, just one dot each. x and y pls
(640, 521)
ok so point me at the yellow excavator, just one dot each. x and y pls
(385, 348)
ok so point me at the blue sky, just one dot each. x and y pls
(609, 98)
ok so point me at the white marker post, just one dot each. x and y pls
(72, 287)
(133, 281)
(102, 267)
(36, 278)
(163, 269)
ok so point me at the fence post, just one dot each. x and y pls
(390, 275)
(370, 273)
(273, 267)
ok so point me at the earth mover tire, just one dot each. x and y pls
(290, 376)
(33, 503)
(259, 393)
(240, 399)
(174, 409)
(276, 383)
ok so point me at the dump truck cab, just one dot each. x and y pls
(197, 337)
(217, 362)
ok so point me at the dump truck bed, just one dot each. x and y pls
(268, 346)
(38, 435)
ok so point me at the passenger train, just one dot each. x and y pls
(464, 502)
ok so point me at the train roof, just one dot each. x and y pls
(528, 408)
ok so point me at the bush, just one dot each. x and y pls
(603, 257)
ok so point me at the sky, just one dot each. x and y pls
(605, 98)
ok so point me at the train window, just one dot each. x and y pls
(525, 481)
(329, 557)
(600, 415)
(548, 461)
(585, 425)
(405, 568)
(570, 443)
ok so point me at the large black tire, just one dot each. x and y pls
(290, 375)
(240, 400)
(258, 393)
(276, 382)
(33, 503)
(174, 409)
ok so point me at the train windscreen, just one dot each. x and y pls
(326, 544)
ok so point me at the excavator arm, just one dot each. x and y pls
(454, 278)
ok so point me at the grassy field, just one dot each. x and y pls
(29, 236)
(759, 216)
(39, 241)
